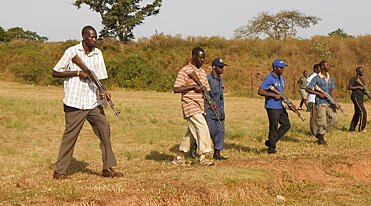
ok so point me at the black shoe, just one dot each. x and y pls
(193, 150)
(321, 139)
(271, 151)
(266, 143)
(217, 155)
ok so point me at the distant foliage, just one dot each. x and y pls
(153, 63)
(279, 26)
(340, 33)
(121, 17)
(19, 33)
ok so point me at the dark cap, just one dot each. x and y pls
(218, 62)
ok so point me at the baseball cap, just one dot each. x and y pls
(218, 62)
(278, 63)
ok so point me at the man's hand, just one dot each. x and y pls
(277, 97)
(102, 95)
(84, 75)
(361, 88)
(213, 107)
(322, 96)
(197, 89)
(337, 105)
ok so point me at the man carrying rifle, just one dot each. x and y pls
(357, 85)
(82, 102)
(277, 114)
(193, 108)
(326, 112)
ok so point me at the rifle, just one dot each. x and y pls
(92, 77)
(365, 90)
(205, 93)
(332, 100)
(287, 101)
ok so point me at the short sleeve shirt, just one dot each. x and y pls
(357, 92)
(192, 102)
(303, 82)
(325, 84)
(79, 93)
(272, 79)
(311, 97)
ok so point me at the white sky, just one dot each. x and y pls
(59, 20)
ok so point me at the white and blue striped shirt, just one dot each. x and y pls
(79, 93)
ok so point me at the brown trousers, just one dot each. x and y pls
(313, 118)
(75, 119)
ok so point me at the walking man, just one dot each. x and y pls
(193, 109)
(357, 99)
(327, 116)
(304, 95)
(277, 114)
(82, 102)
(312, 103)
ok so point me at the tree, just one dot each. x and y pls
(283, 24)
(2, 34)
(340, 33)
(119, 17)
(19, 33)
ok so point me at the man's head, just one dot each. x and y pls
(305, 74)
(316, 68)
(89, 36)
(218, 66)
(324, 66)
(198, 57)
(359, 71)
(278, 66)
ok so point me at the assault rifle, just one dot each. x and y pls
(332, 100)
(287, 101)
(92, 77)
(365, 90)
(206, 94)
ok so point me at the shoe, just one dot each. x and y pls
(205, 162)
(321, 139)
(266, 143)
(193, 150)
(111, 173)
(58, 176)
(179, 161)
(217, 155)
(364, 130)
(300, 108)
(271, 151)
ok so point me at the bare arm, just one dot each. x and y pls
(351, 87)
(185, 89)
(263, 92)
(66, 74)
(310, 91)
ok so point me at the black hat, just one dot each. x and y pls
(218, 62)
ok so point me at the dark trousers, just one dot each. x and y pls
(217, 132)
(75, 119)
(277, 116)
(359, 114)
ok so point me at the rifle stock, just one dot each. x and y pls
(205, 93)
(287, 101)
(329, 97)
(93, 78)
(365, 89)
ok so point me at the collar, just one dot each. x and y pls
(214, 77)
(274, 76)
(322, 76)
(194, 67)
(92, 52)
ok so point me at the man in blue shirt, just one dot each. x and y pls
(217, 130)
(326, 112)
(277, 114)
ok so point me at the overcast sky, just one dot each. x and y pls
(59, 20)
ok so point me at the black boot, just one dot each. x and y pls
(193, 150)
(217, 155)
(321, 139)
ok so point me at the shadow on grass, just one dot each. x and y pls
(159, 157)
(77, 166)
(238, 147)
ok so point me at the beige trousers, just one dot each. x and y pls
(197, 131)
(327, 118)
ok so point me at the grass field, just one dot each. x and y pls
(145, 138)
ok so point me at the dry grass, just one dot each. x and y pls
(145, 138)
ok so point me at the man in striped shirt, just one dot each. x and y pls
(193, 109)
(82, 102)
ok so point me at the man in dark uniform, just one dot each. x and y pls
(357, 99)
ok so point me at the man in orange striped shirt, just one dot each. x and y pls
(193, 109)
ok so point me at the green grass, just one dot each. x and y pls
(145, 138)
